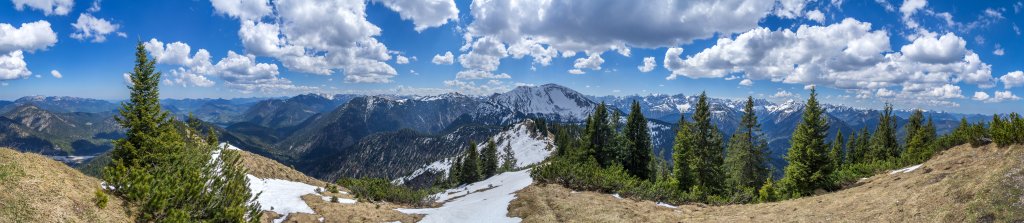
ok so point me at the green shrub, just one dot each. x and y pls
(101, 199)
(589, 176)
(376, 189)
(851, 173)
(334, 199)
(332, 188)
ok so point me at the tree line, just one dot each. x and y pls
(707, 168)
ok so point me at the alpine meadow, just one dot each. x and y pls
(511, 111)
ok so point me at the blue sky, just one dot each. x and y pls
(937, 55)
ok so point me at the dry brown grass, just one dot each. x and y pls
(263, 167)
(962, 184)
(34, 188)
(339, 212)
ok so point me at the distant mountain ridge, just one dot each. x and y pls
(344, 135)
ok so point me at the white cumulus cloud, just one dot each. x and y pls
(424, 13)
(401, 59)
(297, 38)
(847, 55)
(14, 42)
(56, 74)
(1013, 79)
(29, 37)
(243, 9)
(13, 66)
(447, 58)
(49, 7)
(544, 29)
(89, 27)
(998, 96)
(747, 82)
(648, 65)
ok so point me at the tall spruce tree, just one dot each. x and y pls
(884, 144)
(508, 159)
(851, 146)
(862, 146)
(489, 160)
(455, 170)
(746, 163)
(600, 137)
(638, 151)
(682, 151)
(167, 169)
(706, 162)
(835, 155)
(920, 136)
(808, 155)
(914, 123)
(469, 171)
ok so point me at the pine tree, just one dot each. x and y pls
(600, 137)
(682, 151)
(851, 147)
(808, 156)
(638, 152)
(148, 127)
(455, 170)
(508, 159)
(489, 160)
(746, 164)
(619, 144)
(469, 171)
(835, 155)
(914, 124)
(863, 145)
(768, 192)
(920, 138)
(167, 169)
(884, 144)
(706, 162)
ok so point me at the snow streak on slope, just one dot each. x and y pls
(440, 166)
(484, 201)
(527, 146)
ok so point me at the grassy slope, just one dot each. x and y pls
(34, 188)
(960, 185)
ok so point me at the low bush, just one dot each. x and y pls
(589, 176)
(376, 189)
(101, 199)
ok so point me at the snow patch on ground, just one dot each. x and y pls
(484, 201)
(228, 146)
(340, 200)
(282, 196)
(617, 196)
(906, 170)
(666, 205)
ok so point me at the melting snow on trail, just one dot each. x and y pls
(484, 201)
(281, 196)
(906, 170)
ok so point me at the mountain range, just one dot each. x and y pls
(345, 135)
